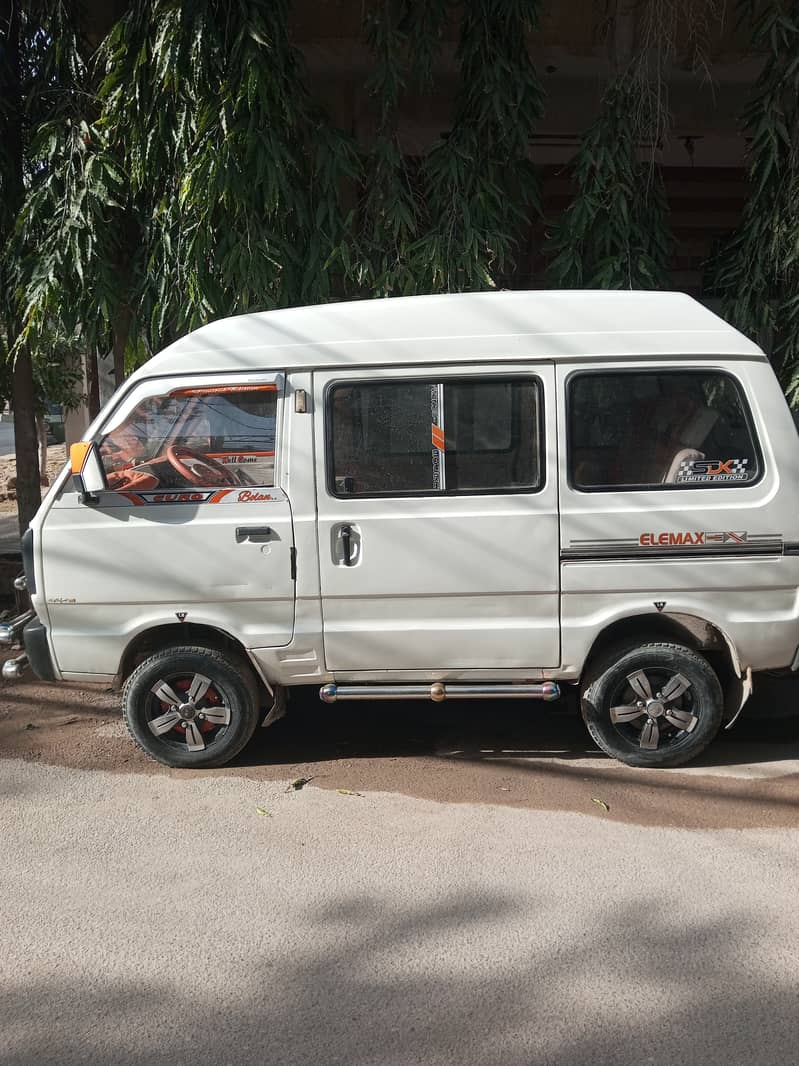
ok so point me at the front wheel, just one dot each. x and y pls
(191, 707)
(652, 705)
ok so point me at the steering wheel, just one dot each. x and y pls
(199, 469)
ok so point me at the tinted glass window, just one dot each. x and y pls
(653, 428)
(428, 437)
(204, 436)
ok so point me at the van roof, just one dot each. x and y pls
(459, 327)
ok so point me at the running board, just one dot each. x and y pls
(438, 692)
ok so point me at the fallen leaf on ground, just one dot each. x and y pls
(600, 803)
(347, 792)
(263, 811)
(298, 783)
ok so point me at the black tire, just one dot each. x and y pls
(231, 700)
(680, 727)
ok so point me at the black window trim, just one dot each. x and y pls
(444, 379)
(660, 486)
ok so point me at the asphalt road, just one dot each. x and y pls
(495, 892)
(163, 920)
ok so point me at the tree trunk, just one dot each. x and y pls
(23, 391)
(26, 440)
(122, 324)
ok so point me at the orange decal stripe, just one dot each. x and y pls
(133, 498)
(438, 438)
(220, 390)
(220, 495)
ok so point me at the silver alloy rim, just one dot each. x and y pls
(654, 706)
(188, 711)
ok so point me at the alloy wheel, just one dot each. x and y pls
(654, 707)
(187, 710)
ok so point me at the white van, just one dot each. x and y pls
(466, 496)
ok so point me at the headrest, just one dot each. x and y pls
(697, 427)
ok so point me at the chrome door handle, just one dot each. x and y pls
(245, 532)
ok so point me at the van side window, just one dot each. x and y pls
(426, 437)
(668, 428)
(207, 436)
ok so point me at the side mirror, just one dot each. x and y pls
(88, 475)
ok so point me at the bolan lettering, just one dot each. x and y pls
(246, 496)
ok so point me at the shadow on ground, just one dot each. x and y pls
(423, 985)
(314, 732)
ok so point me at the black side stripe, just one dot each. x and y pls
(627, 555)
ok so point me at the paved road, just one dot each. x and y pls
(163, 920)
(6, 438)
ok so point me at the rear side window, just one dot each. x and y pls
(213, 435)
(427, 437)
(668, 429)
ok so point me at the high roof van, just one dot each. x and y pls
(480, 496)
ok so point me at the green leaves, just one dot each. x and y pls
(615, 232)
(756, 272)
(448, 220)
(239, 173)
(478, 187)
(187, 173)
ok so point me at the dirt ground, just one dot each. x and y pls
(504, 754)
(56, 457)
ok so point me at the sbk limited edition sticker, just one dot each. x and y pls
(694, 471)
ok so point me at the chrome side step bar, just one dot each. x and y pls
(11, 631)
(438, 692)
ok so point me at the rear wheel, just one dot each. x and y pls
(652, 705)
(191, 707)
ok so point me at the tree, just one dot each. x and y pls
(163, 163)
(478, 183)
(757, 271)
(616, 232)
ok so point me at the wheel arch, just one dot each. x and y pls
(694, 632)
(175, 634)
